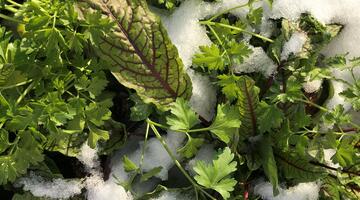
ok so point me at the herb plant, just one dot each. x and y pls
(65, 64)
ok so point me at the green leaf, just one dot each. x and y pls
(191, 146)
(210, 57)
(129, 165)
(270, 116)
(25, 153)
(182, 117)
(248, 100)
(238, 51)
(141, 53)
(226, 123)
(269, 163)
(96, 134)
(337, 116)
(4, 140)
(254, 16)
(150, 174)
(229, 86)
(140, 111)
(216, 176)
(297, 168)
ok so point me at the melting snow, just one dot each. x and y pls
(302, 191)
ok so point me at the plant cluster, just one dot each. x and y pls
(58, 60)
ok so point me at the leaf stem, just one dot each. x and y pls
(11, 9)
(220, 41)
(210, 23)
(10, 18)
(177, 163)
(14, 3)
(312, 104)
(16, 85)
(144, 148)
(26, 91)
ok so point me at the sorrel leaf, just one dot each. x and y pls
(141, 52)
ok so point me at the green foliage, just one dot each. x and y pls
(298, 168)
(211, 57)
(155, 70)
(247, 102)
(270, 116)
(216, 175)
(22, 153)
(226, 123)
(182, 117)
(268, 162)
(191, 147)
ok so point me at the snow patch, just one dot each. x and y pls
(328, 11)
(311, 86)
(258, 61)
(97, 189)
(56, 188)
(88, 157)
(302, 191)
(203, 99)
(173, 195)
(155, 156)
(294, 45)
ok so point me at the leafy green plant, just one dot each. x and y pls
(155, 70)
(58, 60)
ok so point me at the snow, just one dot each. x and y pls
(312, 86)
(328, 153)
(56, 188)
(174, 195)
(155, 156)
(203, 99)
(258, 61)
(294, 45)
(187, 35)
(302, 191)
(97, 189)
(185, 31)
(328, 11)
(88, 157)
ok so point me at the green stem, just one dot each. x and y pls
(14, 3)
(323, 109)
(210, 23)
(11, 9)
(220, 41)
(177, 163)
(182, 131)
(313, 104)
(16, 85)
(26, 91)
(10, 18)
(157, 124)
(144, 147)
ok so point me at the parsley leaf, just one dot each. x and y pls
(182, 117)
(226, 122)
(270, 116)
(216, 176)
(210, 57)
